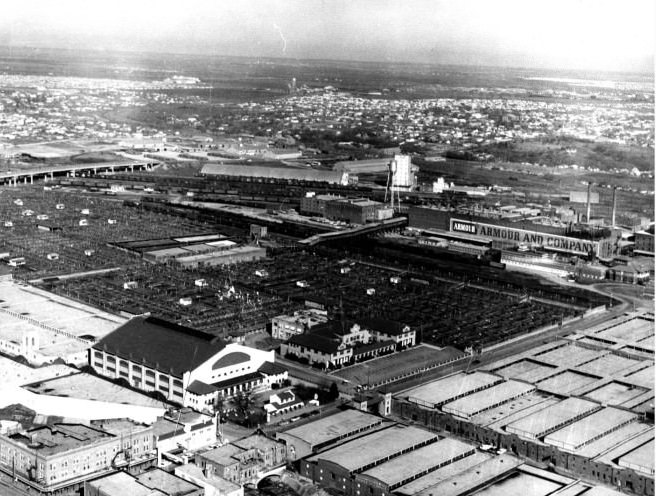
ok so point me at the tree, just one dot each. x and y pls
(243, 401)
(333, 392)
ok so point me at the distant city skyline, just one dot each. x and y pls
(605, 35)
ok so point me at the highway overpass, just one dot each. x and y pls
(29, 174)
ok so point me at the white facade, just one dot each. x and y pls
(402, 176)
(219, 368)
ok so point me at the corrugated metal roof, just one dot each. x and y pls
(274, 172)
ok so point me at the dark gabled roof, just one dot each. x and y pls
(364, 348)
(314, 342)
(333, 329)
(271, 368)
(389, 327)
(286, 397)
(242, 379)
(200, 388)
(162, 345)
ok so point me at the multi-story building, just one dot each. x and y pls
(338, 343)
(644, 242)
(316, 204)
(183, 428)
(186, 366)
(352, 210)
(244, 460)
(155, 482)
(285, 326)
(57, 456)
(388, 330)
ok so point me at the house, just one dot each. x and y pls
(281, 403)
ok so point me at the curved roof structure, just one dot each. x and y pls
(336, 177)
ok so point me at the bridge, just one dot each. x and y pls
(354, 232)
(29, 174)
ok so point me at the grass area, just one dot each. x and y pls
(556, 151)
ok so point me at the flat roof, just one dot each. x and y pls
(643, 377)
(223, 455)
(167, 252)
(609, 364)
(223, 243)
(588, 428)
(51, 310)
(566, 381)
(488, 398)
(59, 438)
(200, 238)
(408, 465)
(333, 427)
(121, 483)
(376, 446)
(641, 458)
(526, 370)
(552, 417)
(612, 439)
(449, 388)
(631, 330)
(625, 446)
(91, 387)
(16, 373)
(168, 483)
(257, 441)
(615, 393)
(443, 473)
(520, 484)
(568, 355)
(473, 477)
(512, 410)
(223, 485)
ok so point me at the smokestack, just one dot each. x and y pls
(588, 211)
(612, 219)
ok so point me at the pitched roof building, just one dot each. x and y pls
(187, 366)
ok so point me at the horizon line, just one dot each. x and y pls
(649, 72)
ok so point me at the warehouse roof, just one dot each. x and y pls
(375, 447)
(443, 473)
(593, 426)
(488, 398)
(405, 467)
(552, 418)
(161, 345)
(641, 458)
(452, 387)
(475, 477)
(273, 172)
(613, 439)
(334, 427)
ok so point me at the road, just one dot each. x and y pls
(308, 374)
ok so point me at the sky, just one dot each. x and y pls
(607, 35)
